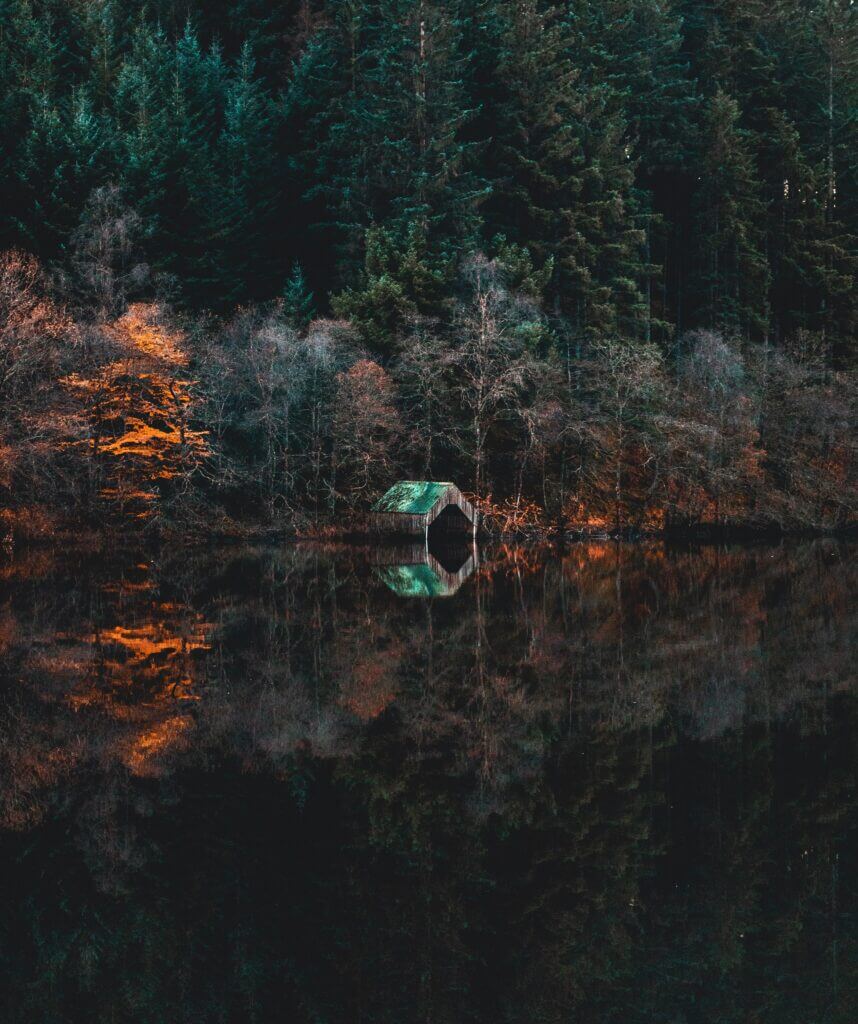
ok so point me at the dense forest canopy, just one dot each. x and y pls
(598, 260)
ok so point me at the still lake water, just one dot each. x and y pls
(614, 784)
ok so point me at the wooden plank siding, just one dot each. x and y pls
(398, 523)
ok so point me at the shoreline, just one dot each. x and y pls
(79, 537)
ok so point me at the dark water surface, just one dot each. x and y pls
(614, 784)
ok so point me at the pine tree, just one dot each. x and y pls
(171, 97)
(105, 33)
(781, 59)
(812, 263)
(19, 27)
(243, 198)
(731, 280)
(195, 102)
(564, 173)
(634, 50)
(382, 96)
(65, 155)
(298, 305)
(835, 24)
(30, 59)
(401, 281)
(321, 102)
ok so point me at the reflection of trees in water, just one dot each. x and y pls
(302, 651)
(608, 786)
(104, 671)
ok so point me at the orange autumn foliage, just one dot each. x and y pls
(134, 412)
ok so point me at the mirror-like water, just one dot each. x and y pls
(335, 785)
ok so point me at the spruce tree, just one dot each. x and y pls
(381, 94)
(65, 155)
(195, 98)
(634, 50)
(105, 37)
(835, 25)
(171, 99)
(788, 64)
(564, 184)
(243, 194)
(30, 65)
(298, 303)
(732, 276)
(401, 281)
(142, 125)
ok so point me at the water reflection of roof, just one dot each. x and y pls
(416, 572)
(413, 581)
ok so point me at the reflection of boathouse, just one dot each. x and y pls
(424, 508)
(416, 571)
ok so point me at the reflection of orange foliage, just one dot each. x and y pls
(8, 629)
(135, 580)
(514, 559)
(140, 675)
(36, 770)
(153, 651)
(583, 556)
(28, 521)
(140, 643)
(143, 750)
(371, 685)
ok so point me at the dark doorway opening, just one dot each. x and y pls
(450, 521)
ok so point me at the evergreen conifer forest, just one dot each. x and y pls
(594, 261)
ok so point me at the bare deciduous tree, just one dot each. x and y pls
(490, 368)
(628, 381)
(424, 388)
(107, 268)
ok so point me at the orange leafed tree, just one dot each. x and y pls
(135, 412)
(367, 428)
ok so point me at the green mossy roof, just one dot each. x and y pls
(411, 497)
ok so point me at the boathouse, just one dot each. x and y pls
(416, 507)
